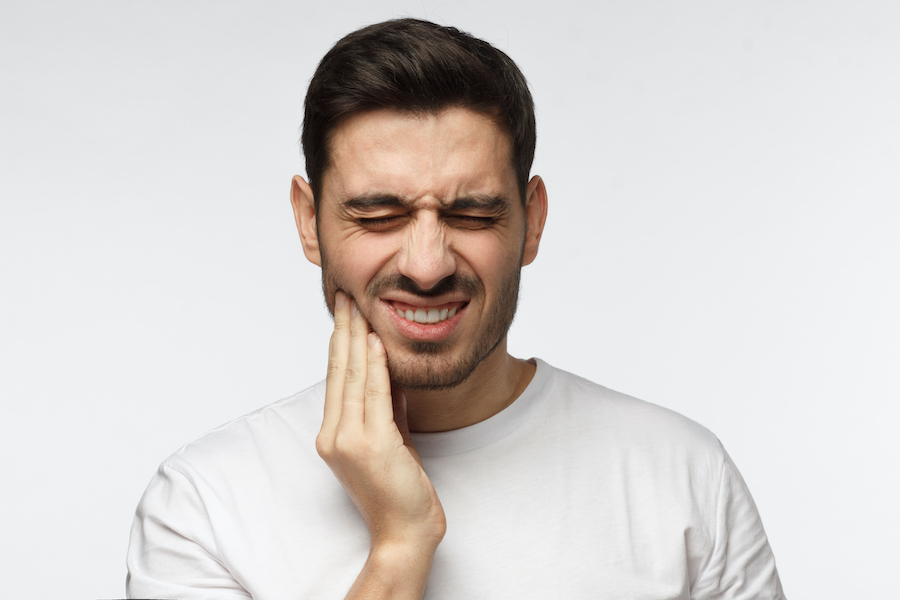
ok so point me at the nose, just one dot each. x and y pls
(426, 257)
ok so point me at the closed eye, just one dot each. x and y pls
(379, 223)
(471, 221)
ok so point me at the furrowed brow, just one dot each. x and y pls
(372, 202)
(485, 203)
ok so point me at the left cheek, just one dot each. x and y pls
(493, 266)
(365, 263)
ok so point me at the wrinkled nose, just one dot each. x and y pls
(426, 257)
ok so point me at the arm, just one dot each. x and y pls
(172, 552)
(740, 565)
(365, 441)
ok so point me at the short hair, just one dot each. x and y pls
(420, 67)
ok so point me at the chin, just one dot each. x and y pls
(430, 365)
(424, 374)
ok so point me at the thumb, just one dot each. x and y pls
(398, 399)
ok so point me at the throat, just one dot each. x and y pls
(481, 396)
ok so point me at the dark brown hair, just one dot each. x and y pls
(417, 66)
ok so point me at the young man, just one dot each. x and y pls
(431, 463)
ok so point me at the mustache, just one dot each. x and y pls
(469, 285)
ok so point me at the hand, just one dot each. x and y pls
(365, 441)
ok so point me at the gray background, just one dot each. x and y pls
(722, 240)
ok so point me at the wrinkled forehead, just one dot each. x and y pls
(445, 154)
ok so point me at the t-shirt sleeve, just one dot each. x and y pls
(741, 565)
(173, 549)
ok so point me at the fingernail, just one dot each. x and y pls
(354, 308)
(340, 299)
(373, 339)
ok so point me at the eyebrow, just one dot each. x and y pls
(487, 203)
(480, 202)
(372, 202)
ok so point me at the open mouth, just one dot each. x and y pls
(426, 314)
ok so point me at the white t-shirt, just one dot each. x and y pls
(573, 491)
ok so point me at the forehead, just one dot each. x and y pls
(443, 155)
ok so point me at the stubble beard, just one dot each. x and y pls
(429, 365)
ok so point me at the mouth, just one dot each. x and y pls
(426, 315)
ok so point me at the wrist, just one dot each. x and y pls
(397, 551)
(395, 536)
(396, 569)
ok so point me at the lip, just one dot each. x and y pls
(415, 301)
(424, 332)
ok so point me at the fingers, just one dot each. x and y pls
(338, 352)
(358, 386)
(370, 452)
(355, 374)
(379, 413)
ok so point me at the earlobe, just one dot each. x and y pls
(535, 217)
(305, 217)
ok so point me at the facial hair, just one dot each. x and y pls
(429, 365)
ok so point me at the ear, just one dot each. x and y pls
(535, 216)
(305, 216)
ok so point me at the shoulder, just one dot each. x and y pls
(288, 426)
(235, 467)
(627, 422)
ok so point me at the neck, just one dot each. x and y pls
(494, 384)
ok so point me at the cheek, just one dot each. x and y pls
(352, 264)
(491, 258)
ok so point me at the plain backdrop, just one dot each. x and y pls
(722, 240)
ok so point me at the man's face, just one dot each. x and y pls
(421, 222)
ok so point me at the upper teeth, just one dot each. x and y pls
(432, 315)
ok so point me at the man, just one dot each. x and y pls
(453, 469)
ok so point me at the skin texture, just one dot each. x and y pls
(417, 212)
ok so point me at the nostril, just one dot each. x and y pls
(427, 268)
